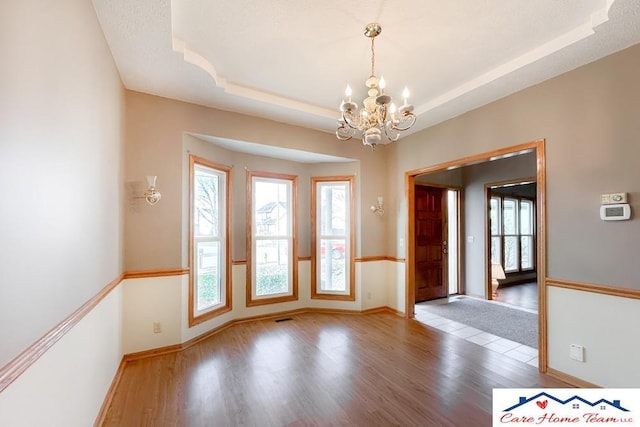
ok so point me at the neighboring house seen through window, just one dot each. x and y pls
(271, 252)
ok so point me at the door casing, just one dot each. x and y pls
(539, 147)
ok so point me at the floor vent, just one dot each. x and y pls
(285, 319)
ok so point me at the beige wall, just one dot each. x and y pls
(155, 134)
(589, 120)
(61, 139)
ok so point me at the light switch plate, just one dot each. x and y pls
(605, 199)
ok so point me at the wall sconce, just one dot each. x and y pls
(152, 196)
(497, 273)
(379, 208)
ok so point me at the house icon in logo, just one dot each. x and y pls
(575, 401)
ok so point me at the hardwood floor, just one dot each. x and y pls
(320, 370)
(524, 295)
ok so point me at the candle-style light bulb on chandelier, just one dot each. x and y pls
(378, 114)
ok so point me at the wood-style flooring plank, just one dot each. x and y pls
(320, 370)
(523, 295)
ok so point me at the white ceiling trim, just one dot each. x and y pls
(567, 39)
(271, 151)
(290, 64)
(193, 57)
(575, 35)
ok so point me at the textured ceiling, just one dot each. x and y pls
(291, 60)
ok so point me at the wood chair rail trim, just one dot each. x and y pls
(379, 258)
(16, 367)
(12, 370)
(593, 288)
(155, 273)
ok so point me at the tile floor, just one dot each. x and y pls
(507, 347)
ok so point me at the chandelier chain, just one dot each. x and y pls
(373, 57)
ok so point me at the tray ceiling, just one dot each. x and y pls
(291, 60)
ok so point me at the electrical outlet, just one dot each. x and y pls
(576, 352)
(368, 295)
(157, 327)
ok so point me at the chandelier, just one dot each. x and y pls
(378, 115)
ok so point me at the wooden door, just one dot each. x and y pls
(430, 243)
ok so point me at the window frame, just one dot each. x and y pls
(501, 229)
(514, 235)
(292, 295)
(349, 294)
(532, 235)
(196, 316)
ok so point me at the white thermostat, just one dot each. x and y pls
(618, 212)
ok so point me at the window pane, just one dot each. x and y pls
(332, 262)
(333, 210)
(510, 216)
(272, 267)
(510, 253)
(527, 251)
(332, 265)
(205, 212)
(452, 220)
(208, 281)
(494, 214)
(271, 213)
(526, 217)
(496, 250)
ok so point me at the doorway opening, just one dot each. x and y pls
(475, 269)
